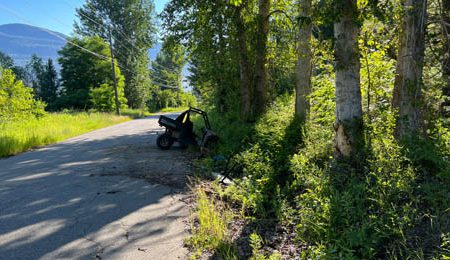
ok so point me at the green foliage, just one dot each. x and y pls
(395, 203)
(16, 100)
(7, 62)
(209, 38)
(133, 30)
(168, 98)
(396, 206)
(21, 135)
(212, 230)
(256, 244)
(49, 84)
(81, 71)
(103, 97)
(168, 66)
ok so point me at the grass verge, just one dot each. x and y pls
(172, 109)
(20, 136)
(209, 226)
(137, 113)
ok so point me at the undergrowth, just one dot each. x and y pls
(209, 228)
(396, 206)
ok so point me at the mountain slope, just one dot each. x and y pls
(20, 41)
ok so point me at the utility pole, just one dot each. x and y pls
(116, 93)
(178, 90)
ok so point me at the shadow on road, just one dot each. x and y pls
(76, 200)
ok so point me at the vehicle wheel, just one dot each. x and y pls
(164, 141)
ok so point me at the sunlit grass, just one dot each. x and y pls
(20, 136)
(138, 113)
(211, 233)
(173, 109)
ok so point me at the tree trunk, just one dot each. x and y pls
(244, 63)
(348, 125)
(303, 84)
(446, 56)
(408, 80)
(261, 56)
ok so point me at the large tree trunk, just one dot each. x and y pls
(408, 80)
(303, 84)
(446, 56)
(261, 56)
(244, 63)
(348, 125)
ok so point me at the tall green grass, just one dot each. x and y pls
(139, 113)
(211, 233)
(22, 135)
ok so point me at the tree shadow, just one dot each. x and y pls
(88, 197)
(267, 223)
(432, 185)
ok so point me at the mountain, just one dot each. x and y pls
(20, 41)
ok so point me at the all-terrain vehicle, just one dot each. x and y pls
(181, 130)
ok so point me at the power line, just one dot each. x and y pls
(52, 33)
(130, 42)
(54, 18)
(164, 68)
(98, 23)
(100, 56)
(165, 86)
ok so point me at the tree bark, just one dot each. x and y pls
(348, 124)
(244, 63)
(261, 56)
(408, 80)
(446, 55)
(303, 84)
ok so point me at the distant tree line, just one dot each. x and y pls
(86, 80)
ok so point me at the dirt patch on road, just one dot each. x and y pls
(146, 161)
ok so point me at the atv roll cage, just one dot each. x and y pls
(181, 130)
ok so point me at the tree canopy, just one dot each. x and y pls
(132, 27)
(81, 71)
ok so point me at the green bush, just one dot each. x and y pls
(171, 98)
(396, 206)
(103, 97)
(16, 100)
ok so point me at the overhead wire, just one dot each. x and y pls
(130, 42)
(98, 23)
(100, 56)
(52, 33)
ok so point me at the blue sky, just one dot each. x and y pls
(56, 15)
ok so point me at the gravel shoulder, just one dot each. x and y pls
(108, 194)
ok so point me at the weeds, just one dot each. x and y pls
(19, 136)
(397, 205)
(210, 227)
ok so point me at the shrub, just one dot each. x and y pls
(103, 97)
(16, 100)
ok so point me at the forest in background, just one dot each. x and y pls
(86, 78)
(333, 119)
(104, 67)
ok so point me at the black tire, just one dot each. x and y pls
(164, 141)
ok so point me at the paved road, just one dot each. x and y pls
(108, 194)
